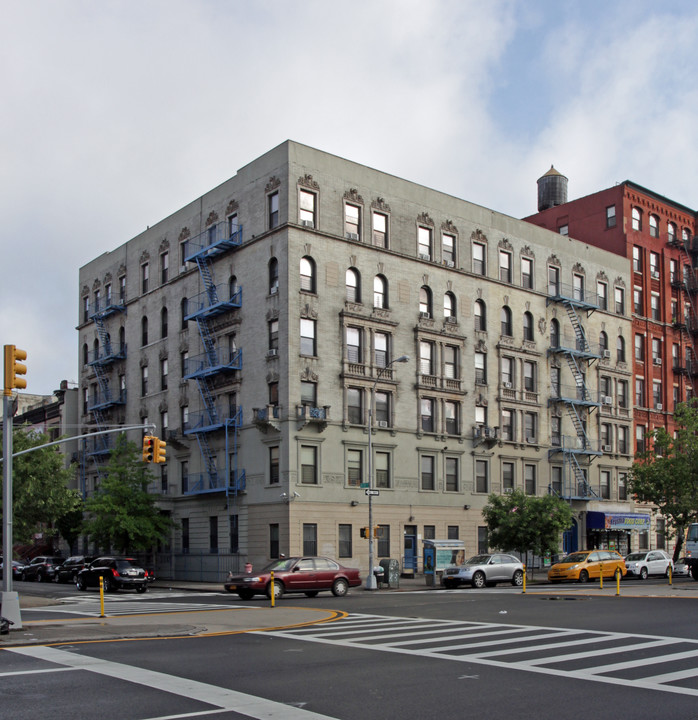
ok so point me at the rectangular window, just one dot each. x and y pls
(382, 471)
(424, 236)
(451, 417)
(479, 259)
(380, 341)
(481, 476)
(145, 273)
(555, 431)
(527, 273)
(602, 295)
(354, 349)
(531, 427)
(234, 533)
(611, 216)
(309, 465)
(308, 337)
(657, 395)
(661, 534)
(273, 215)
(427, 413)
(654, 265)
(637, 301)
(622, 486)
(430, 532)
(184, 476)
(144, 381)
(480, 368)
(309, 394)
(529, 371)
(380, 230)
(427, 473)
(122, 288)
(354, 468)
(637, 259)
(450, 353)
(384, 541)
(273, 465)
(185, 535)
(163, 374)
(505, 266)
(507, 476)
(352, 222)
(355, 414)
(451, 474)
(640, 399)
(605, 485)
(556, 474)
(655, 307)
(553, 280)
(623, 440)
(530, 479)
(164, 267)
(344, 545)
(213, 534)
(274, 540)
(578, 287)
(309, 539)
(622, 392)
(639, 347)
(482, 542)
(507, 426)
(307, 209)
(619, 294)
(426, 358)
(507, 372)
(448, 249)
(382, 406)
(452, 532)
(640, 431)
(274, 336)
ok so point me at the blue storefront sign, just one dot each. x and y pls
(617, 521)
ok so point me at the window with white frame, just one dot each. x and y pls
(427, 414)
(448, 249)
(639, 347)
(637, 259)
(657, 396)
(451, 417)
(636, 221)
(382, 469)
(654, 265)
(307, 334)
(655, 306)
(426, 357)
(507, 426)
(424, 240)
(602, 295)
(479, 258)
(508, 476)
(671, 232)
(530, 479)
(309, 470)
(352, 222)
(380, 230)
(452, 474)
(482, 476)
(307, 201)
(527, 273)
(507, 372)
(637, 300)
(578, 286)
(355, 414)
(354, 468)
(381, 346)
(354, 345)
(505, 266)
(553, 280)
(428, 481)
(654, 226)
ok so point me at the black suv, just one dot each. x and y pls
(41, 568)
(117, 573)
(68, 571)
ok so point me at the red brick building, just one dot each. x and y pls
(657, 236)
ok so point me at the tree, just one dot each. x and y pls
(40, 480)
(122, 514)
(666, 473)
(526, 523)
(69, 525)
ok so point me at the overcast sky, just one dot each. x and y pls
(115, 114)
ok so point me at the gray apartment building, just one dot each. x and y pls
(258, 329)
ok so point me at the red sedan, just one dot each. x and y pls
(308, 575)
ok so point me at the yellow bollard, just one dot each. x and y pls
(601, 576)
(273, 594)
(523, 592)
(618, 574)
(671, 573)
(101, 596)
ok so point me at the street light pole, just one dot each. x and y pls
(371, 583)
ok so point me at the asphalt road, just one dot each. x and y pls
(412, 655)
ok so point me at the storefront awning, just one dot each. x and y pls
(617, 521)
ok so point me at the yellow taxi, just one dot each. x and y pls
(586, 565)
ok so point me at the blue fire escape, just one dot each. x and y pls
(214, 361)
(102, 360)
(578, 451)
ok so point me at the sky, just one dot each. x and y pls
(114, 114)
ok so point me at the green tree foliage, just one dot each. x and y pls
(666, 473)
(40, 480)
(69, 525)
(524, 523)
(122, 514)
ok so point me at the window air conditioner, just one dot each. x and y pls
(424, 315)
(382, 423)
(606, 354)
(531, 440)
(508, 490)
(659, 406)
(272, 352)
(449, 263)
(308, 223)
(450, 318)
(507, 385)
(352, 236)
(657, 361)
(424, 256)
(606, 448)
(607, 400)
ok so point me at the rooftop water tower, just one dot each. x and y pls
(552, 189)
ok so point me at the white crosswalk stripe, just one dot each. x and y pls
(650, 662)
(89, 605)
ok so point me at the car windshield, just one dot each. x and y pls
(279, 565)
(636, 556)
(575, 557)
(478, 560)
(124, 564)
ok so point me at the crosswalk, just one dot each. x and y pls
(88, 605)
(651, 662)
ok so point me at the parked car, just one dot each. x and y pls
(648, 562)
(481, 570)
(681, 567)
(69, 569)
(586, 565)
(117, 573)
(149, 572)
(17, 568)
(309, 575)
(40, 567)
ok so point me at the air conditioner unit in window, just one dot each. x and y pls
(657, 361)
(531, 440)
(424, 315)
(308, 223)
(507, 385)
(508, 490)
(490, 432)
(659, 406)
(607, 400)
(272, 352)
(606, 354)
(606, 448)
(382, 423)
(449, 263)
(424, 256)
(451, 319)
(352, 236)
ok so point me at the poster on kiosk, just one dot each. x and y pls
(440, 554)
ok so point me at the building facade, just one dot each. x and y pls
(258, 328)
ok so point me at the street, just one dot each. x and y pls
(413, 654)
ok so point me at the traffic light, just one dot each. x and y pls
(14, 368)
(159, 450)
(378, 532)
(364, 532)
(148, 448)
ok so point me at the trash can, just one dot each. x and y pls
(391, 572)
(378, 573)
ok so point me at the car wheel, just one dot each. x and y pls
(583, 576)
(107, 585)
(141, 588)
(278, 590)
(311, 593)
(518, 578)
(40, 577)
(245, 594)
(479, 580)
(80, 583)
(340, 587)
(643, 573)
(24, 577)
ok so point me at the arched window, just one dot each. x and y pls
(307, 274)
(425, 307)
(480, 315)
(163, 323)
(95, 349)
(620, 349)
(122, 339)
(671, 231)
(184, 307)
(380, 292)
(273, 276)
(449, 305)
(654, 226)
(636, 219)
(353, 283)
(603, 342)
(528, 326)
(234, 290)
(554, 333)
(505, 319)
(144, 330)
(85, 354)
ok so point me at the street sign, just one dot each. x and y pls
(373, 492)
(364, 485)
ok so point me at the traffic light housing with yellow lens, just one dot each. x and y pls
(148, 448)
(13, 368)
(159, 450)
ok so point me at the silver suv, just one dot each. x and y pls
(481, 570)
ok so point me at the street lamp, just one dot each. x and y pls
(371, 583)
